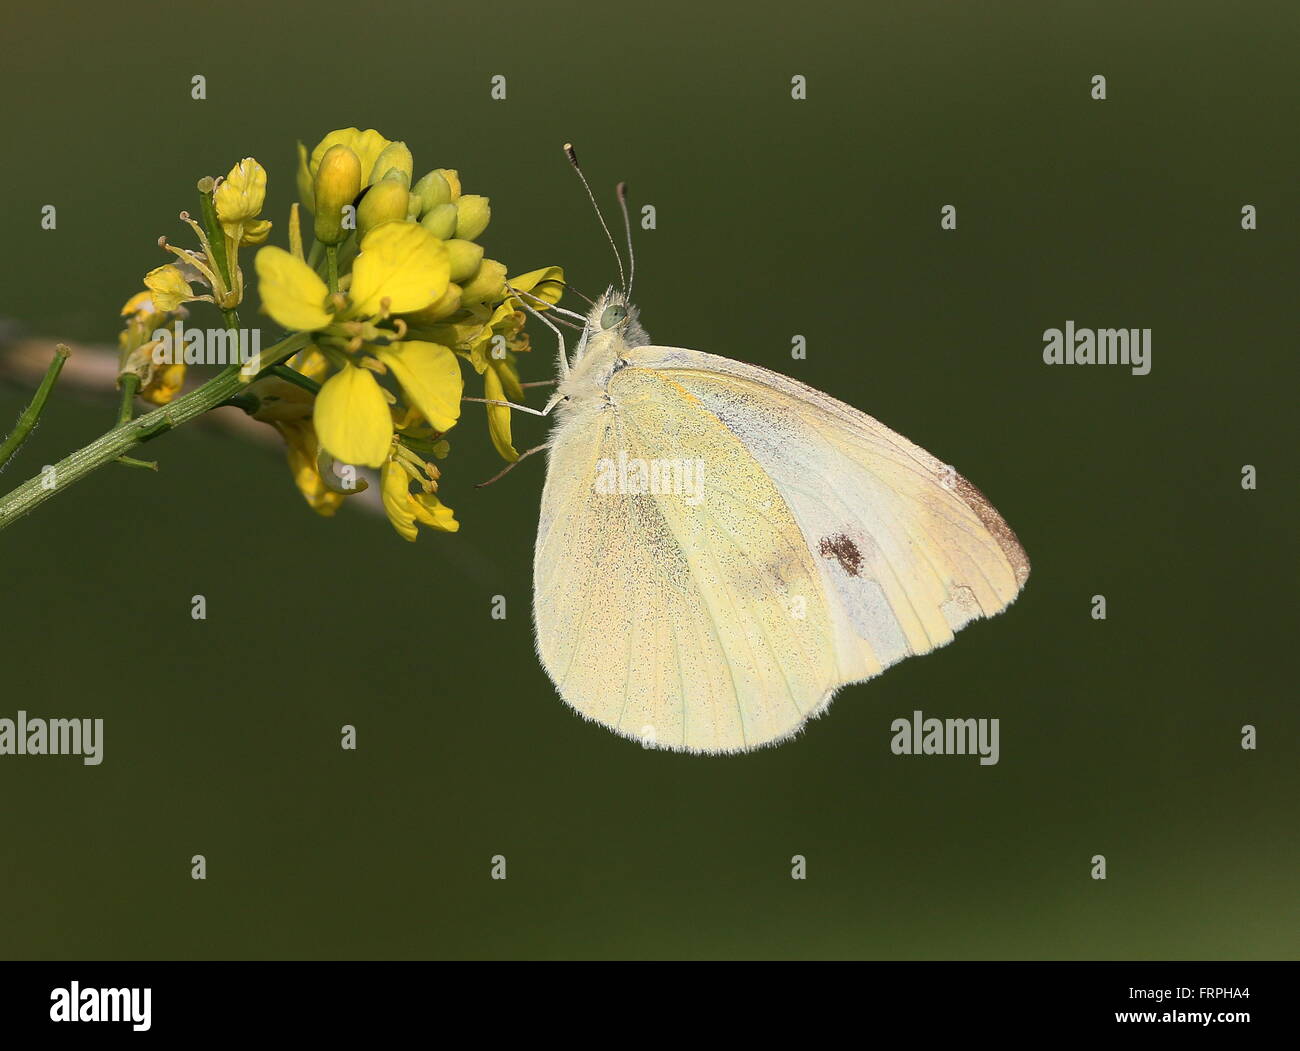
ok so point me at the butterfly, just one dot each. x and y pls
(721, 548)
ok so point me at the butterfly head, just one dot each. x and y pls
(614, 317)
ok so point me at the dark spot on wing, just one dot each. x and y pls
(843, 550)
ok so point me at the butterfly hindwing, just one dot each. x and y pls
(692, 623)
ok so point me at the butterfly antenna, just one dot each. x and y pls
(581, 295)
(572, 154)
(627, 228)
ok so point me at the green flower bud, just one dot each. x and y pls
(413, 206)
(305, 192)
(394, 155)
(441, 221)
(472, 215)
(384, 201)
(433, 191)
(488, 285)
(338, 181)
(465, 257)
(453, 181)
(397, 175)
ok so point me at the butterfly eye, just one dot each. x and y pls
(612, 316)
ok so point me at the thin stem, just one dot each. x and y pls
(130, 387)
(33, 411)
(121, 440)
(130, 461)
(332, 267)
(293, 376)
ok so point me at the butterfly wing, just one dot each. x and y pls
(822, 549)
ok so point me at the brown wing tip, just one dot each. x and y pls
(997, 527)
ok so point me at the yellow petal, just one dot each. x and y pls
(139, 304)
(352, 418)
(434, 513)
(291, 291)
(546, 283)
(168, 287)
(395, 488)
(164, 384)
(431, 378)
(401, 262)
(255, 231)
(300, 441)
(498, 415)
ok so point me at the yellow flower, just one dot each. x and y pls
(164, 384)
(159, 384)
(239, 201)
(288, 408)
(303, 451)
(402, 267)
(168, 287)
(405, 508)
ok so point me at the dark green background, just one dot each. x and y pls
(775, 218)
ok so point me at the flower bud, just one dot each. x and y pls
(306, 192)
(465, 257)
(441, 221)
(394, 155)
(433, 190)
(384, 201)
(338, 181)
(472, 215)
(453, 181)
(488, 285)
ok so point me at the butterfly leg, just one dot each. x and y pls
(511, 405)
(511, 466)
(559, 336)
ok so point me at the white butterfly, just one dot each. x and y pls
(786, 545)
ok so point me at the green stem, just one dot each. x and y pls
(130, 387)
(129, 461)
(332, 267)
(121, 440)
(33, 411)
(294, 376)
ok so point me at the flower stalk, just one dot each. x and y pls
(122, 439)
(32, 413)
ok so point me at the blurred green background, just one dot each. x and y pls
(774, 218)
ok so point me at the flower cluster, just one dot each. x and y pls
(387, 296)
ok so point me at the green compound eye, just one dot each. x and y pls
(612, 316)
